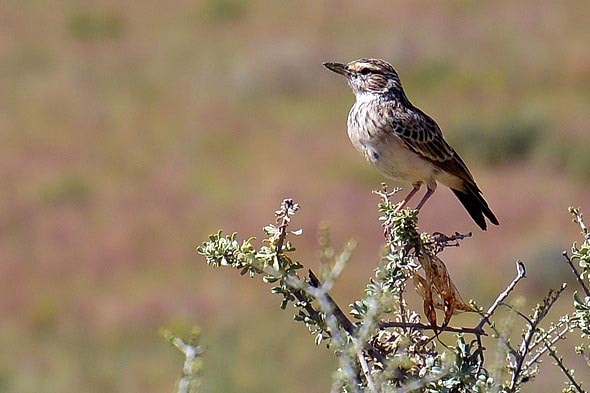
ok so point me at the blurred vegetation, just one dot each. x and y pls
(504, 142)
(73, 189)
(520, 139)
(216, 11)
(95, 25)
(569, 155)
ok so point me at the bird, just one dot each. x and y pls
(403, 142)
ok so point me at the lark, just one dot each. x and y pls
(403, 142)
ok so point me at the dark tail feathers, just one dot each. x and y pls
(476, 206)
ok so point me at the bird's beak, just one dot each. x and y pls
(338, 68)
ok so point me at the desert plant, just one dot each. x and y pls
(382, 344)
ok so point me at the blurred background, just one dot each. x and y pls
(129, 131)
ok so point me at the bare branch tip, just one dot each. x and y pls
(520, 269)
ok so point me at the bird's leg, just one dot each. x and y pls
(409, 196)
(429, 191)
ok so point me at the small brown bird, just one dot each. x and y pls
(403, 142)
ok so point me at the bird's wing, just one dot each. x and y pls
(420, 133)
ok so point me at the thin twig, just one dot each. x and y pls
(342, 319)
(326, 304)
(559, 363)
(191, 351)
(288, 208)
(506, 343)
(520, 274)
(521, 355)
(517, 312)
(551, 333)
(366, 371)
(579, 218)
(441, 237)
(478, 331)
(442, 241)
(534, 322)
(542, 351)
(576, 273)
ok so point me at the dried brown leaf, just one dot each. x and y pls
(438, 290)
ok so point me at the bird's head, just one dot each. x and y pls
(369, 77)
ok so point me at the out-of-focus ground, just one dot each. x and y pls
(129, 131)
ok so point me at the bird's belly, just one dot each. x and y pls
(395, 160)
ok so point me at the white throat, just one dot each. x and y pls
(365, 97)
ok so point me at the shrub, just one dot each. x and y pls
(382, 345)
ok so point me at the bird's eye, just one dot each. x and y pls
(365, 71)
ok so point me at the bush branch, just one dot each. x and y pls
(520, 274)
